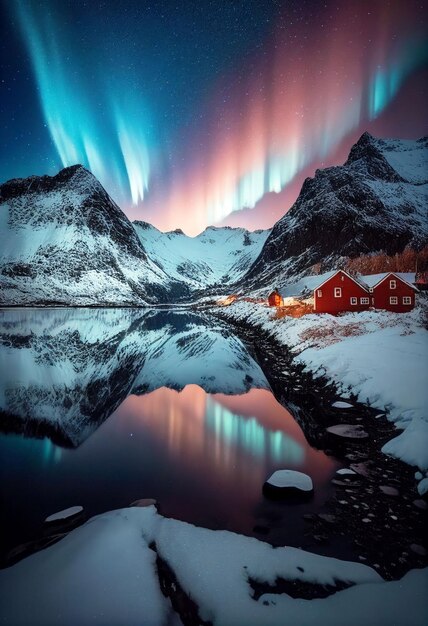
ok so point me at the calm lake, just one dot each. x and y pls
(102, 407)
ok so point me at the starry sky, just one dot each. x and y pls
(209, 112)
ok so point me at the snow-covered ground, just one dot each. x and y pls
(105, 573)
(379, 356)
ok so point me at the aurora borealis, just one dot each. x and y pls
(192, 113)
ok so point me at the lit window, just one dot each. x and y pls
(319, 293)
(338, 292)
(393, 300)
(364, 301)
(407, 300)
(393, 284)
(354, 300)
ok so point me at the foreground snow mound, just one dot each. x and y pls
(379, 356)
(104, 573)
(101, 573)
(64, 241)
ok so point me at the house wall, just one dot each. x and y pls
(328, 303)
(382, 293)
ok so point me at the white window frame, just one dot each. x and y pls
(393, 300)
(407, 300)
(354, 301)
(393, 284)
(319, 293)
(364, 300)
(338, 292)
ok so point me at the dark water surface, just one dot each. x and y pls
(103, 407)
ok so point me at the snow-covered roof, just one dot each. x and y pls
(305, 284)
(309, 283)
(373, 279)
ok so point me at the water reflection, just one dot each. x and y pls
(63, 372)
(100, 408)
(251, 436)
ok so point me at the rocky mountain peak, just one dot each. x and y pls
(375, 202)
(367, 154)
(76, 175)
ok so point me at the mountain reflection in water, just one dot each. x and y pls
(100, 408)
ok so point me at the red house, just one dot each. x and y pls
(391, 291)
(341, 292)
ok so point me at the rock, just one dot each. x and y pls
(361, 468)
(389, 491)
(345, 471)
(417, 549)
(144, 502)
(327, 517)
(321, 538)
(339, 404)
(420, 504)
(65, 515)
(284, 483)
(348, 431)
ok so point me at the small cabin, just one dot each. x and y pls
(421, 281)
(341, 292)
(391, 291)
(275, 298)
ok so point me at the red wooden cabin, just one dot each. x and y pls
(341, 292)
(275, 298)
(393, 293)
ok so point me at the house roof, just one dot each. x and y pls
(357, 281)
(305, 285)
(371, 280)
(308, 284)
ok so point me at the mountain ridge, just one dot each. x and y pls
(64, 241)
(365, 206)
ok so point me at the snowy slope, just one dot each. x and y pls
(217, 256)
(376, 201)
(107, 567)
(64, 371)
(63, 240)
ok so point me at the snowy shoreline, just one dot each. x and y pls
(379, 357)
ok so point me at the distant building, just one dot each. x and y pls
(421, 281)
(275, 298)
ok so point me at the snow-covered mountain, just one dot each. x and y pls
(63, 240)
(64, 371)
(217, 256)
(376, 201)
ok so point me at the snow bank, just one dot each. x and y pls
(380, 356)
(104, 573)
(101, 573)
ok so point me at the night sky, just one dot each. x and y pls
(198, 113)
